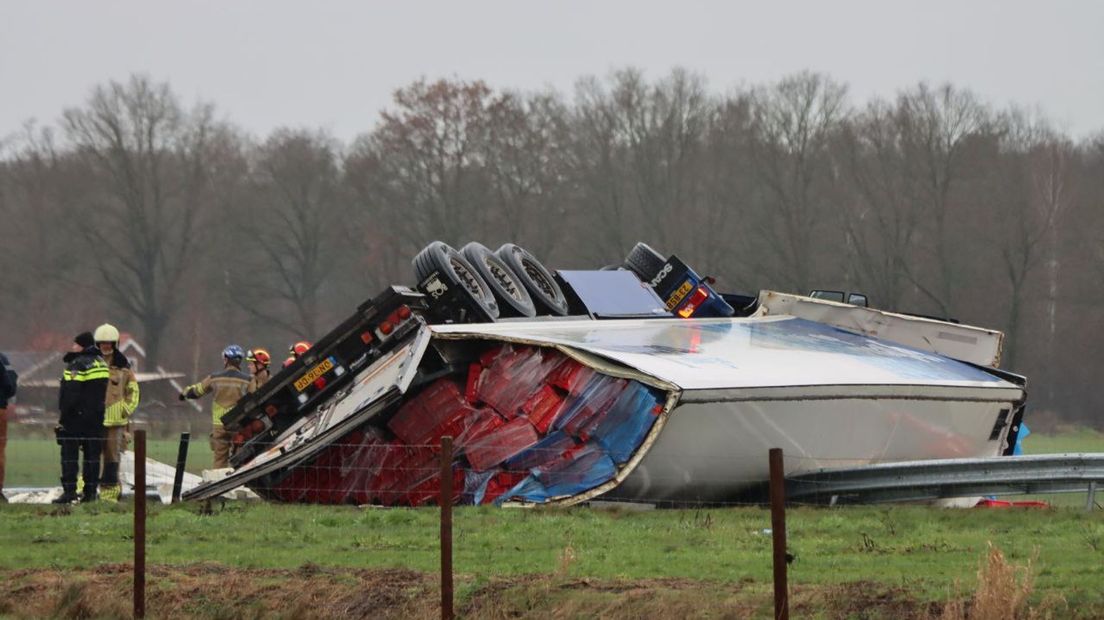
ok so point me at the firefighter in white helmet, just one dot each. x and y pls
(119, 404)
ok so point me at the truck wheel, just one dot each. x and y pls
(644, 262)
(513, 299)
(547, 295)
(455, 270)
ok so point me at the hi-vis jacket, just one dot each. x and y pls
(122, 391)
(228, 386)
(82, 392)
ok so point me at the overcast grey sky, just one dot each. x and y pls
(335, 64)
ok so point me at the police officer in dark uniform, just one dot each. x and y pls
(80, 428)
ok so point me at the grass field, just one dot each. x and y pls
(36, 462)
(930, 553)
(1068, 440)
(316, 561)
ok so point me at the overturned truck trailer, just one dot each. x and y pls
(565, 410)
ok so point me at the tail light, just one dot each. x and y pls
(271, 411)
(393, 320)
(367, 337)
(700, 295)
(239, 439)
(256, 426)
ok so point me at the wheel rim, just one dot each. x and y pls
(539, 278)
(467, 278)
(505, 280)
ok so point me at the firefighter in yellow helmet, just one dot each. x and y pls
(119, 404)
(228, 386)
(258, 359)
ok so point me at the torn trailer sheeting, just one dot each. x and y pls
(646, 410)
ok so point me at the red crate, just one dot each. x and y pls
(502, 482)
(477, 426)
(504, 442)
(542, 407)
(599, 399)
(402, 466)
(491, 354)
(514, 376)
(470, 391)
(416, 421)
(570, 376)
(427, 491)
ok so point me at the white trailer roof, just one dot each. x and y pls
(727, 354)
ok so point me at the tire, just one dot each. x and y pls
(512, 296)
(456, 271)
(644, 262)
(548, 297)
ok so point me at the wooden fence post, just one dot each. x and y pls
(445, 500)
(778, 532)
(140, 524)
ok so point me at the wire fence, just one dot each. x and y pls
(370, 470)
(367, 470)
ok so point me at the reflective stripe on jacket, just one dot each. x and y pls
(122, 394)
(82, 391)
(228, 386)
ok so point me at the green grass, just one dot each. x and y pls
(1070, 440)
(926, 550)
(1076, 440)
(37, 462)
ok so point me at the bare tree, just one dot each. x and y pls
(882, 224)
(794, 123)
(290, 231)
(140, 215)
(937, 125)
(526, 163)
(638, 158)
(427, 160)
(1032, 190)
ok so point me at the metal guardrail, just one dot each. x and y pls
(949, 478)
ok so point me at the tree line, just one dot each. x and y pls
(189, 232)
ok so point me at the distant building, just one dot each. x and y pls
(40, 372)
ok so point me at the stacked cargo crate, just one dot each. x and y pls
(528, 423)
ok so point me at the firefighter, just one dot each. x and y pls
(228, 386)
(296, 350)
(80, 428)
(258, 359)
(119, 405)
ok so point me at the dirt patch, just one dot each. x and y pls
(858, 600)
(216, 591)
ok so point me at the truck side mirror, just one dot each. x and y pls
(829, 295)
